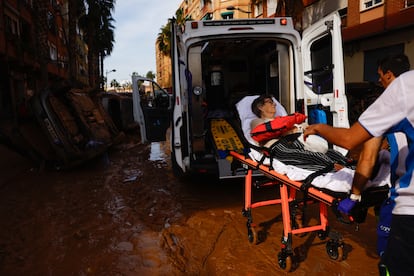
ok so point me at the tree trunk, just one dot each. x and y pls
(92, 65)
(101, 75)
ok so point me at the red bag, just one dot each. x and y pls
(276, 127)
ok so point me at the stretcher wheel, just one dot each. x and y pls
(252, 235)
(335, 250)
(285, 262)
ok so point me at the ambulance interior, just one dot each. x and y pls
(223, 71)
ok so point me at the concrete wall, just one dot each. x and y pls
(354, 51)
(320, 9)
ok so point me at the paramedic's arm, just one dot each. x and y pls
(347, 138)
(366, 163)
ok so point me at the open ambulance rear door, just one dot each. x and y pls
(322, 59)
(179, 125)
(151, 109)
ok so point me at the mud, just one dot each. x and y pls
(125, 214)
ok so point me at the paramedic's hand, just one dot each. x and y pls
(310, 130)
(345, 206)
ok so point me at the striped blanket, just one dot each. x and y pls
(289, 150)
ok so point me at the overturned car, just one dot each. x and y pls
(61, 128)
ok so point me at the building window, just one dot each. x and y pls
(26, 35)
(367, 4)
(343, 13)
(227, 15)
(12, 25)
(258, 8)
(51, 22)
(53, 52)
(29, 3)
(372, 57)
(208, 16)
(409, 3)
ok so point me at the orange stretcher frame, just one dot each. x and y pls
(288, 189)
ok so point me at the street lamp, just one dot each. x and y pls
(106, 78)
(232, 8)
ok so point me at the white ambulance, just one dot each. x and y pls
(216, 63)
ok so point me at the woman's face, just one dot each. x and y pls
(268, 109)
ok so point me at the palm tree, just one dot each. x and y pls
(180, 19)
(99, 31)
(150, 75)
(115, 83)
(164, 38)
(105, 41)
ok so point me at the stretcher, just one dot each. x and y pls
(293, 195)
(288, 192)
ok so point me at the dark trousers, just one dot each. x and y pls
(398, 256)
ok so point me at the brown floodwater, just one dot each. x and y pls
(126, 214)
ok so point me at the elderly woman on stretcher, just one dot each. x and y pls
(280, 136)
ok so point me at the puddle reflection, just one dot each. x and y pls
(157, 152)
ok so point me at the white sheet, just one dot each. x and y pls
(340, 181)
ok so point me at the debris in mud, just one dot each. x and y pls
(88, 221)
(131, 175)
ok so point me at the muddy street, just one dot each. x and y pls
(126, 214)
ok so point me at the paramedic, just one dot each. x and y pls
(389, 68)
(396, 103)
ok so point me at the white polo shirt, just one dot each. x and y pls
(393, 112)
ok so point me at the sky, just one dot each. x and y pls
(137, 25)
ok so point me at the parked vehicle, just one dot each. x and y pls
(152, 108)
(119, 106)
(216, 63)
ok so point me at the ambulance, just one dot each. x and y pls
(216, 63)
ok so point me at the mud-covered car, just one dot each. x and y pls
(62, 128)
